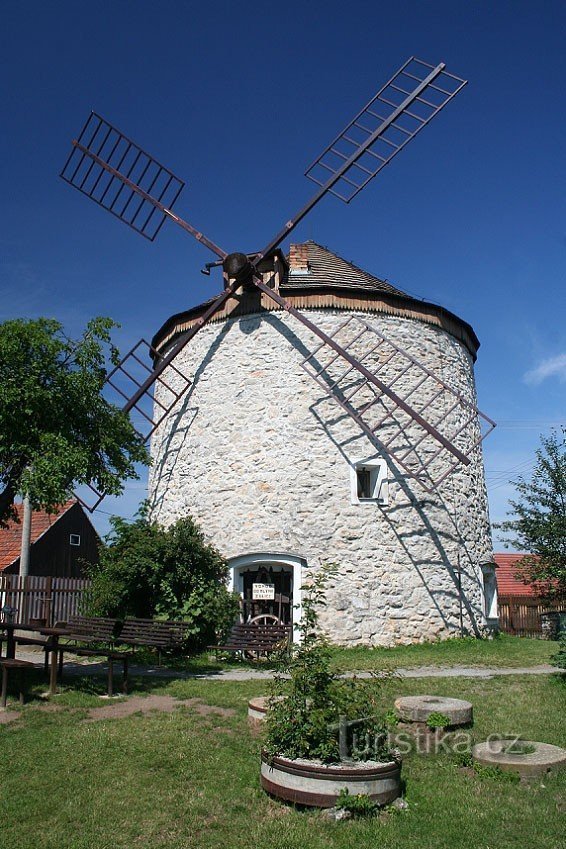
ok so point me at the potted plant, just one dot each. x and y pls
(325, 734)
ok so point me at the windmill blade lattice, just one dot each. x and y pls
(120, 176)
(146, 412)
(400, 109)
(409, 436)
(130, 386)
(131, 376)
(343, 365)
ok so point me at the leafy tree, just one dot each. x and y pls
(146, 570)
(56, 429)
(539, 521)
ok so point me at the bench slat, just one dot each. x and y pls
(261, 639)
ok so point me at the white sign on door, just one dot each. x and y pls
(263, 592)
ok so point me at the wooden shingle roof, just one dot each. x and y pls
(314, 277)
(325, 268)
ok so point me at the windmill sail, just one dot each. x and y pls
(400, 109)
(120, 176)
(410, 436)
(409, 101)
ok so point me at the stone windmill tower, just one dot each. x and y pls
(282, 479)
(311, 413)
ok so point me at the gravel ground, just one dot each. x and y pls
(80, 666)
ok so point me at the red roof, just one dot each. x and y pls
(507, 583)
(11, 537)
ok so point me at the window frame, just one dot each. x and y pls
(377, 468)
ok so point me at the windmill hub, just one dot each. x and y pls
(238, 267)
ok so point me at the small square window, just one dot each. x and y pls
(369, 481)
(74, 539)
(363, 475)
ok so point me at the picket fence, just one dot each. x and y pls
(43, 599)
(520, 615)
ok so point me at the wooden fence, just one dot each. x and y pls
(48, 599)
(520, 615)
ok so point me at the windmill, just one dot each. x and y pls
(349, 364)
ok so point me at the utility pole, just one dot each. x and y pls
(26, 537)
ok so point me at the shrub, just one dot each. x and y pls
(311, 712)
(149, 571)
(360, 804)
(518, 747)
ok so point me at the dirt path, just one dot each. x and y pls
(128, 706)
(80, 667)
(152, 703)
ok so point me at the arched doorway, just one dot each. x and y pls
(269, 585)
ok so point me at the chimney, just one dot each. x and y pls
(298, 259)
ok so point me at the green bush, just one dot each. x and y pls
(149, 571)
(307, 711)
(360, 804)
(518, 747)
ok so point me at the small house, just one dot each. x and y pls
(61, 543)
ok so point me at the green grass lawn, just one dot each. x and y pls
(501, 651)
(188, 779)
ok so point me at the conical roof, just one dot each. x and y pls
(314, 277)
(325, 268)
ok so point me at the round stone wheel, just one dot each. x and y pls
(318, 785)
(258, 707)
(419, 708)
(544, 758)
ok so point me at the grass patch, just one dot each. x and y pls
(503, 650)
(183, 779)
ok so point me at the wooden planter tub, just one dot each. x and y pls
(318, 785)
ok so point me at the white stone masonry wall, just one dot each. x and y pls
(262, 460)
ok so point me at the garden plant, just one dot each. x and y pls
(308, 710)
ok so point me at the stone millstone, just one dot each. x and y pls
(419, 708)
(543, 759)
(258, 707)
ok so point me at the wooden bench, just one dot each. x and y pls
(90, 636)
(20, 666)
(153, 634)
(46, 643)
(253, 639)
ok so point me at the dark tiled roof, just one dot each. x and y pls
(328, 269)
(11, 537)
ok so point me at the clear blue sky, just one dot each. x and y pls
(237, 98)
